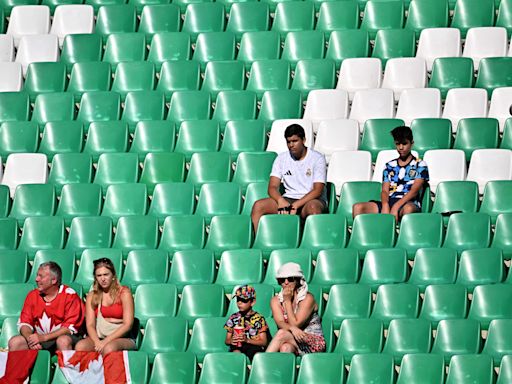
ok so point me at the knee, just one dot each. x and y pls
(312, 209)
(17, 343)
(110, 347)
(288, 348)
(257, 208)
(409, 208)
(64, 343)
(356, 209)
(281, 335)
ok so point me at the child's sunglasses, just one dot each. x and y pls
(242, 300)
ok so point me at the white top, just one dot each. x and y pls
(298, 176)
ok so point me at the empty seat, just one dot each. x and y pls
(431, 133)
(456, 196)
(79, 199)
(14, 106)
(407, 336)
(189, 105)
(422, 230)
(498, 341)
(270, 367)
(99, 106)
(50, 107)
(234, 106)
(451, 72)
(148, 303)
(120, 47)
(170, 46)
(72, 19)
(499, 109)
(324, 104)
(206, 337)
(336, 135)
(403, 73)
(501, 237)
(180, 366)
(303, 45)
(345, 44)
(42, 232)
(70, 168)
(229, 232)
(222, 366)
(480, 266)
(223, 76)
(433, 266)
(372, 231)
(338, 174)
(81, 47)
(202, 300)
(490, 303)
(106, 137)
(61, 137)
(468, 231)
(482, 42)
(136, 232)
(248, 17)
(324, 232)
(6, 48)
(219, 199)
(466, 15)
(498, 166)
(193, 266)
(9, 234)
(182, 232)
(203, 17)
(496, 198)
(445, 165)
(18, 137)
(463, 103)
(269, 75)
(25, 168)
(418, 103)
(11, 77)
(158, 18)
(37, 48)
(145, 267)
(377, 137)
(89, 232)
(437, 43)
(371, 367)
(115, 18)
(214, 46)
(33, 200)
(172, 198)
(134, 76)
(314, 74)
(143, 106)
(470, 367)
(15, 267)
(457, 337)
(384, 266)
(238, 267)
(125, 199)
(269, 238)
(253, 167)
(421, 366)
(13, 296)
(162, 168)
(393, 43)
(334, 16)
(291, 17)
(153, 137)
(165, 335)
(359, 73)
(422, 15)
(382, 15)
(358, 337)
(444, 301)
(116, 168)
(28, 20)
(280, 104)
(262, 45)
(396, 301)
(207, 167)
(347, 301)
(371, 104)
(494, 73)
(243, 136)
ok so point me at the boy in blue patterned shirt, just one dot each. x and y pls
(402, 181)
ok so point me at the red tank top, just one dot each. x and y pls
(114, 311)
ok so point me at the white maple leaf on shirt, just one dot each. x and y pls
(45, 325)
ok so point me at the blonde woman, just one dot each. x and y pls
(108, 312)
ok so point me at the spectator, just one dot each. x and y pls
(303, 173)
(295, 312)
(108, 313)
(402, 181)
(52, 315)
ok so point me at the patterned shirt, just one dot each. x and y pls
(253, 324)
(401, 178)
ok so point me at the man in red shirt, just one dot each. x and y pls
(52, 315)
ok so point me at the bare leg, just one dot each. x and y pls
(119, 345)
(283, 341)
(313, 207)
(262, 207)
(408, 208)
(368, 207)
(64, 343)
(85, 345)
(17, 343)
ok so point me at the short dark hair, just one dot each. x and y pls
(402, 134)
(294, 129)
(55, 270)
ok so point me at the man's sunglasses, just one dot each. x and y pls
(281, 280)
(242, 300)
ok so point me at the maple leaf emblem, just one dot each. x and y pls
(45, 325)
(83, 359)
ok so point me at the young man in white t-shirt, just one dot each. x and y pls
(303, 173)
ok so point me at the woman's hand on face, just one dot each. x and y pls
(287, 293)
(298, 334)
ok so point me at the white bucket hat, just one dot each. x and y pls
(289, 270)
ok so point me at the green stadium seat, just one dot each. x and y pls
(164, 335)
(207, 337)
(248, 17)
(18, 137)
(424, 14)
(8, 233)
(480, 266)
(494, 72)
(382, 15)
(253, 167)
(197, 136)
(335, 266)
(145, 267)
(170, 46)
(431, 133)
(234, 106)
(89, 232)
(61, 137)
(391, 43)
(443, 302)
(116, 18)
(502, 235)
(272, 368)
(33, 200)
(396, 301)
(229, 232)
(457, 337)
(470, 368)
(421, 367)
(68, 168)
(280, 104)
(349, 43)
(209, 167)
(41, 370)
(65, 258)
(504, 17)
(355, 192)
(505, 372)
(99, 106)
(45, 77)
(182, 232)
(202, 301)
(96, 4)
(159, 18)
(261, 45)
(468, 15)
(376, 135)
(14, 106)
(136, 232)
(303, 45)
(334, 16)
(278, 257)
(239, 267)
(14, 267)
(106, 137)
(123, 47)
(230, 367)
(85, 273)
(267, 75)
(79, 199)
(314, 74)
(57, 106)
(5, 201)
(172, 199)
(149, 303)
(293, 16)
(358, 337)
(476, 133)
(451, 72)
(12, 298)
(490, 303)
(498, 342)
(193, 266)
(125, 199)
(189, 105)
(9, 329)
(372, 367)
(325, 367)
(422, 230)
(179, 75)
(347, 301)
(143, 106)
(80, 48)
(496, 198)
(116, 168)
(214, 46)
(203, 17)
(223, 76)
(455, 196)
(384, 266)
(254, 192)
(468, 231)
(153, 136)
(324, 232)
(171, 366)
(134, 76)
(162, 167)
(407, 336)
(434, 266)
(277, 232)
(243, 136)
(372, 231)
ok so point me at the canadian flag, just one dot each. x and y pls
(15, 366)
(90, 367)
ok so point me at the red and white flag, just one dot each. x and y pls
(91, 368)
(15, 366)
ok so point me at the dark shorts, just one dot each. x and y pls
(291, 201)
(52, 344)
(392, 201)
(248, 350)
